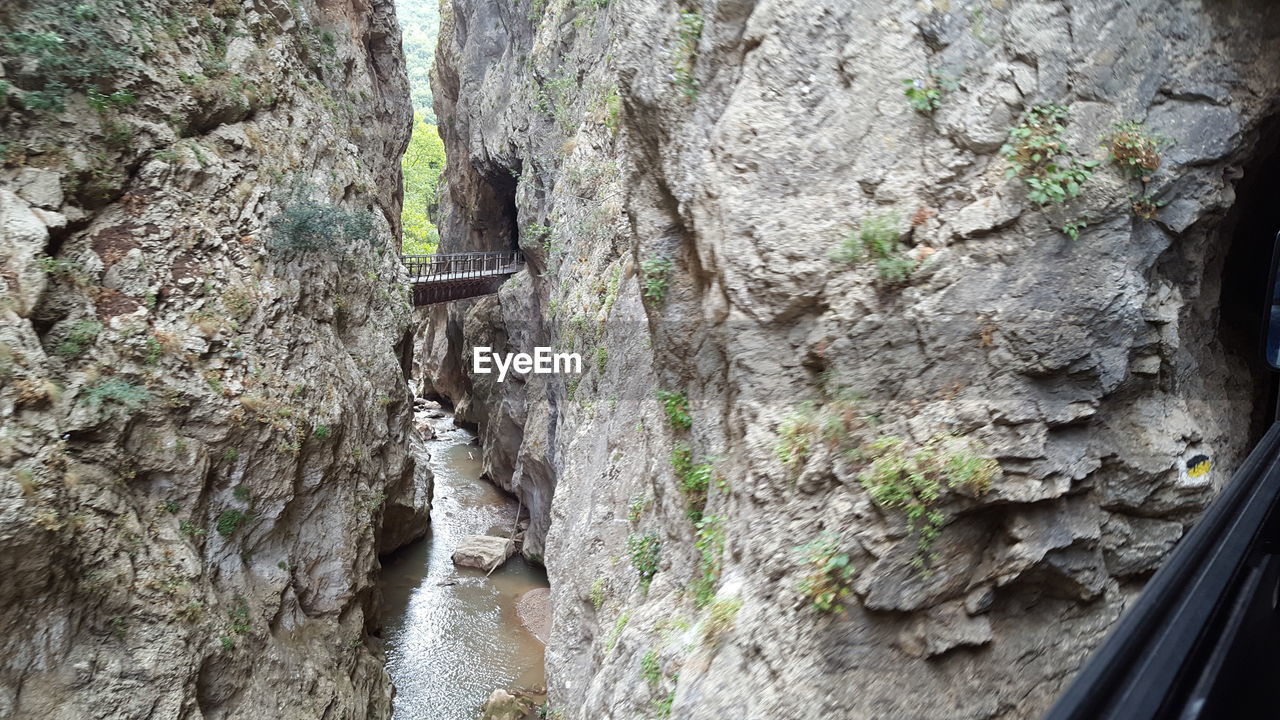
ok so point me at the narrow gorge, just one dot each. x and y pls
(914, 335)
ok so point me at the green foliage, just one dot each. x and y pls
(55, 49)
(1037, 153)
(79, 336)
(231, 454)
(1145, 207)
(542, 234)
(556, 98)
(602, 357)
(833, 422)
(720, 618)
(876, 240)
(830, 574)
(1072, 228)
(688, 33)
(676, 406)
(230, 521)
(322, 432)
(650, 670)
(189, 530)
(226, 642)
(613, 111)
(618, 626)
(116, 100)
(913, 480)
(637, 508)
(170, 506)
(925, 94)
(116, 391)
(241, 493)
(656, 271)
(1135, 150)
(662, 708)
(239, 614)
(709, 542)
(308, 226)
(422, 165)
(694, 478)
(644, 551)
(597, 593)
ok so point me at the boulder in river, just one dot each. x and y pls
(483, 551)
(511, 705)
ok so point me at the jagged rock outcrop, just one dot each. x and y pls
(735, 203)
(204, 414)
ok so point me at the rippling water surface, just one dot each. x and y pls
(453, 634)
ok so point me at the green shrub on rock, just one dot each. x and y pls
(307, 227)
(830, 574)
(644, 551)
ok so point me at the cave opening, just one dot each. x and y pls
(1251, 227)
(497, 215)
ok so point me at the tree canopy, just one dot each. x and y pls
(422, 164)
(420, 24)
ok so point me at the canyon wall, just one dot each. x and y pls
(815, 305)
(203, 346)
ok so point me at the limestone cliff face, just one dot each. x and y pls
(683, 178)
(204, 412)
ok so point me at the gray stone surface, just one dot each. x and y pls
(484, 552)
(1091, 369)
(203, 549)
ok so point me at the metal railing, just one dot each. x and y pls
(461, 266)
(457, 276)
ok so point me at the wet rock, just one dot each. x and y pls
(506, 705)
(534, 608)
(484, 552)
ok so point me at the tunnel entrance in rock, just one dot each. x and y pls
(1251, 227)
(497, 214)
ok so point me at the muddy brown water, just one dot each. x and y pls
(452, 634)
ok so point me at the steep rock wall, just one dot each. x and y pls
(202, 331)
(685, 178)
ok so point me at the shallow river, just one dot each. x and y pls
(452, 634)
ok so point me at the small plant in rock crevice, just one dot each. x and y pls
(925, 94)
(693, 479)
(834, 421)
(676, 407)
(1145, 207)
(619, 625)
(636, 508)
(720, 618)
(688, 32)
(1037, 152)
(650, 670)
(1135, 150)
(597, 593)
(117, 392)
(656, 272)
(877, 240)
(709, 542)
(229, 521)
(644, 551)
(78, 337)
(829, 579)
(913, 480)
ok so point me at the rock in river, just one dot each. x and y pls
(483, 551)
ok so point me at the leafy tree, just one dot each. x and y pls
(422, 164)
(420, 24)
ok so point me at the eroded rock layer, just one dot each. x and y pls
(205, 417)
